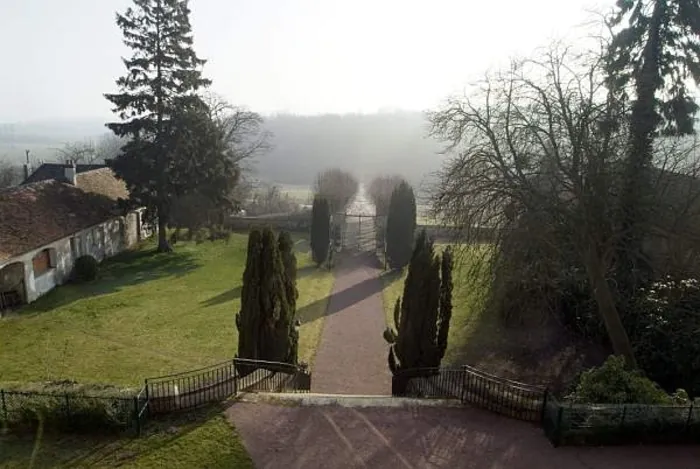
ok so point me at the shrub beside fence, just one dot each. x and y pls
(613, 424)
(473, 386)
(68, 412)
(80, 412)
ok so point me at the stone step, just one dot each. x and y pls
(346, 400)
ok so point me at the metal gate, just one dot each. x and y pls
(361, 233)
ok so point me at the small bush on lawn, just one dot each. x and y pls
(201, 235)
(86, 268)
(613, 383)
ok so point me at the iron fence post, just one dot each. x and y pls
(690, 416)
(235, 379)
(462, 396)
(137, 417)
(148, 398)
(4, 405)
(544, 404)
(624, 412)
(558, 431)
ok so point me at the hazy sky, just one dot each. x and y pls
(302, 56)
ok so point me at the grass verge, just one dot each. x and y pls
(199, 439)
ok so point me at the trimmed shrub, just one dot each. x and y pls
(422, 315)
(320, 229)
(266, 321)
(613, 383)
(400, 226)
(201, 235)
(86, 268)
(68, 407)
(663, 325)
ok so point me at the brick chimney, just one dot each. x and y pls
(69, 172)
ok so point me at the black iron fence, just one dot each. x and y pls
(191, 389)
(473, 386)
(75, 412)
(610, 424)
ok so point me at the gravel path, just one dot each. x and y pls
(424, 437)
(352, 356)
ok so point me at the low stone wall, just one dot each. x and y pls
(292, 222)
(451, 234)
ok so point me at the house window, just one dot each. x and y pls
(44, 261)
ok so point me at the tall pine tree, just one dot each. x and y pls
(162, 80)
(651, 60)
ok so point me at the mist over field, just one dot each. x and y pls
(364, 144)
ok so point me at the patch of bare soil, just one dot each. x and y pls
(544, 354)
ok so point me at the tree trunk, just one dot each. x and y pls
(637, 188)
(163, 244)
(606, 308)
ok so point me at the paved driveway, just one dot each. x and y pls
(423, 437)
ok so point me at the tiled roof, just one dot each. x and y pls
(34, 215)
(48, 171)
(102, 181)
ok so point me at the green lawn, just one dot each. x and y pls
(200, 440)
(147, 315)
(467, 300)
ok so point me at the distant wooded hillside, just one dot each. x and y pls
(366, 144)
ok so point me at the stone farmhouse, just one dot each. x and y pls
(59, 213)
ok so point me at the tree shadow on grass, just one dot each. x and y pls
(125, 269)
(225, 297)
(235, 292)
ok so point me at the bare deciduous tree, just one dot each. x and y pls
(539, 149)
(107, 147)
(380, 190)
(337, 186)
(538, 142)
(243, 129)
(244, 138)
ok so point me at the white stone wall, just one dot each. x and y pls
(100, 241)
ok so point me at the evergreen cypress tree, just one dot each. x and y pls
(266, 321)
(445, 313)
(400, 226)
(320, 229)
(289, 261)
(162, 80)
(422, 314)
(248, 320)
(273, 300)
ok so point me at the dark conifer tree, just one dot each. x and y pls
(400, 226)
(162, 80)
(320, 229)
